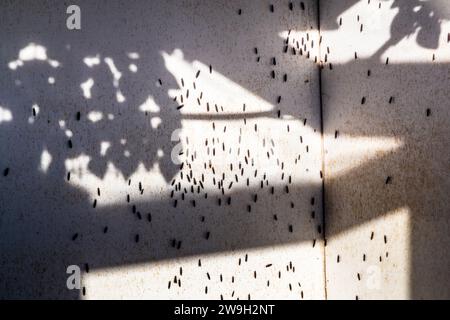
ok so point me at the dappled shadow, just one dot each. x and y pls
(104, 102)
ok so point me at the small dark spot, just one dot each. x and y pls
(388, 180)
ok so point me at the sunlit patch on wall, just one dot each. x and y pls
(5, 115)
(149, 106)
(46, 160)
(229, 106)
(155, 122)
(113, 183)
(386, 30)
(347, 153)
(133, 68)
(68, 133)
(92, 61)
(381, 245)
(304, 43)
(116, 78)
(32, 52)
(86, 87)
(136, 279)
(104, 146)
(120, 97)
(95, 116)
(216, 88)
(133, 55)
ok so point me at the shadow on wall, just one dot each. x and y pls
(412, 176)
(29, 249)
(104, 93)
(407, 102)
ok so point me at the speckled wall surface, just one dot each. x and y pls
(173, 149)
(90, 120)
(387, 148)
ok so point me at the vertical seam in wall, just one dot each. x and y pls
(322, 152)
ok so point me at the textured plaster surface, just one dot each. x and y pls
(387, 148)
(240, 218)
(92, 120)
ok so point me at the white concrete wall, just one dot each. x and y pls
(113, 90)
(109, 72)
(387, 169)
